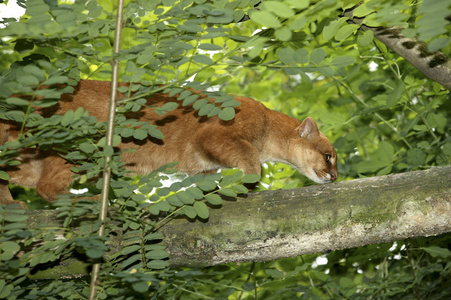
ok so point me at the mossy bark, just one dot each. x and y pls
(270, 225)
(276, 224)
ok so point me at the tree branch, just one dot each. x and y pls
(436, 66)
(271, 225)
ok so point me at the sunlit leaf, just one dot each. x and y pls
(345, 31)
(265, 18)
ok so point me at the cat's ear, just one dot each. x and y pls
(308, 129)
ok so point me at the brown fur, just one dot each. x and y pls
(200, 144)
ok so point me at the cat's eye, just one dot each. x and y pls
(328, 157)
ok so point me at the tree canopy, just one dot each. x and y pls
(374, 75)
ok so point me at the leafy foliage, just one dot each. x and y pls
(299, 57)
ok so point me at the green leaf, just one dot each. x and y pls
(275, 273)
(301, 56)
(201, 209)
(206, 109)
(250, 178)
(15, 115)
(137, 74)
(232, 178)
(386, 152)
(228, 192)
(127, 132)
(342, 61)
(207, 185)
(198, 105)
(436, 251)
(209, 47)
(231, 103)
(240, 189)
(108, 151)
(202, 59)
(286, 55)
(319, 275)
(163, 206)
(189, 211)
(94, 253)
(416, 157)
(169, 106)
(35, 71)
(140, 134)
(164, 191)
(67, 118)
(190, 100)
(13, 163)
(58, 79)
(141, 286)
(213, 199)
(283, 34)
(5, 289)
(331, 29)
(158, 264)
(9, 246)
(370, 166)
(175, 201)
(4, 175)
(185, 197)
(227, 114)
(87, 147)
(17, 101)
(15, 218)
(438, 43)
(155, 133)
(154, 236)
(174, 91)
(447, 148)
(362, 11)
(131, 260)
(345, 31)
(195, 192)
(437, 121)
(130, 249)
(116, 140)
(190, 27)
(36, 8)
(265, 18)
(216, 110)
(318, 55)
(278, 8)
(299, 4)
(384, 171)
(366, 38)
(291, 185)
(347, 286)
(222, 16)
(395, 95)
(157, 254)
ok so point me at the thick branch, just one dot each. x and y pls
(276, 224)
(285, 223)
(436, 66)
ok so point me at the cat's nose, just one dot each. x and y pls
(333, 176)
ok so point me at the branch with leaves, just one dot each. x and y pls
(436, 65)
(270, 225)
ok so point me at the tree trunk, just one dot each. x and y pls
(271, 225)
